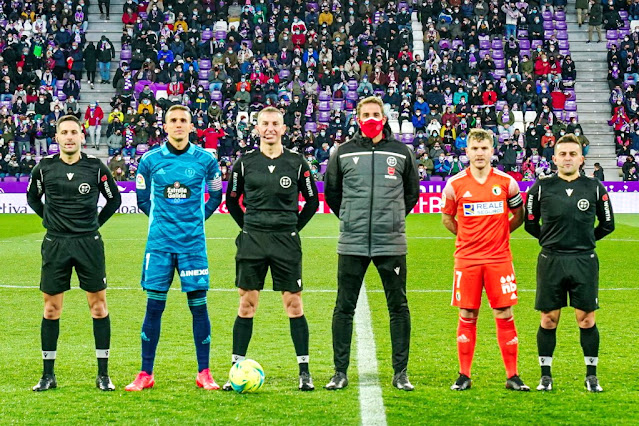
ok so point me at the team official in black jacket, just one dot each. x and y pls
(72, 182)
(567, 205)
(271, 179)
(371, 184)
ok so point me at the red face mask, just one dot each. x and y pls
(371, 127)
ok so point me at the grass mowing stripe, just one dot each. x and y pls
(371, 403)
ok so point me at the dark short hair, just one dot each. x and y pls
(568, 138)
(65, 118)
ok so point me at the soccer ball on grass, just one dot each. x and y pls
(246, 376)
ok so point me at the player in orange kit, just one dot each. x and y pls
(476, 207)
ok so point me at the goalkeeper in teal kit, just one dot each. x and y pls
(171, 185)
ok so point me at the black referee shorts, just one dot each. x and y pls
(258, 251)
(561, 275)
(61, 254)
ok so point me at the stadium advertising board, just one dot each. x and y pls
(13, 199)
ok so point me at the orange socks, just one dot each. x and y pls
(466, 338)
(508, 344)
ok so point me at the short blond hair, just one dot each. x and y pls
(479, 135)
(179, 108)
(370, 100)
(270, 110)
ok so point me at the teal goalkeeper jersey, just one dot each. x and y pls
(171, 188)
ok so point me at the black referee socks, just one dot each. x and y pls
(299, 334)
(242, 333)
(589, 338)
(546, 342)
(102, 336)
(49, 332)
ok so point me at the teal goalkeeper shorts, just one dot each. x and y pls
(159, 267)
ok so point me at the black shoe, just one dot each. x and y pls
(587, 41)
(592, 384)
(227, 386)
(338, 381)
(46, 382)
(462, 383)
(306, 382)
(579, 25)
(515, 383)
(598, 41)
(104, 383)
(545, 384)
(401, 382)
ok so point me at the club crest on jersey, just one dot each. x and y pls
(391, 161)
(583, 204)
(189, 172)
(496, 190)
(84, 188)
(285, 182)
(177, 192)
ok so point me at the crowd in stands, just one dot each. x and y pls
(621, 22)
(500, 65)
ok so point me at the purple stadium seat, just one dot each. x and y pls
(125, 54)
(248, 43)
(535, 43)
(484, 44)
(523, 52)
(434, 178)
(457, 43)
(284, 74)
(324, 116)
(5, 103)
(310, 126)
(324, 96)
(141, 149)
(498, 54)
(203, 83)
(379, 92)
(562, 35)
(408, 138)
(547, 15)
(571, 114)
(338, 105)
(10, 179)
(205, 64)
(324, 106)
(216, 95)
(564, 52)
(548, 25)
(207, 35)
(620, 160)
(61, 96)
(561, 25)
(220, 35)
(54, 148)
(499, 105)
(524, 44)
(352, 84)
(203, 74)
(560, 15)
(522, 34)
(612, 34)
(312, 6)
(570, 106)
(143, 15)
(623, 14)
(571, 93)
(483, 53)
(60, 84)
(323, 168)
(623, 32)
(500, 64)
(563, 44)
(352, 96)
(548, 34)
(497, 44)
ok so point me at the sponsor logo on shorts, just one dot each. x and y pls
(508, 284)
(84, 188)
(583, 204)
(484, 209)
(194, 272)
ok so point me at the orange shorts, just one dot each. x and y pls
(498, 279)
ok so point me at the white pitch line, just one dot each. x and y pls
(371, 403)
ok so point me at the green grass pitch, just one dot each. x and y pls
(433, 362)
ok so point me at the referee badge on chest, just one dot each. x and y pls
(84, 188)
(285, 182)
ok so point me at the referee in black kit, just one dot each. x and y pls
(271, 179)
(371, 184)
(71, 183)
(567, 204)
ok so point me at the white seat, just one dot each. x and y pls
(418, 36)
(407, 128)
(418, 52)
(530, 116)
(418, 45)
(161, 94)
(394, 125)
(519, 115)
(520, 125)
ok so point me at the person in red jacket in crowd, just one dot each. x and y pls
(129, 18)
(542, 67)
(93, 119)
(559, 99)
(489, 97)
(175, 88)
(210, 137)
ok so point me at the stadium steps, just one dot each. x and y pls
(592, 93)
(102, 93)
